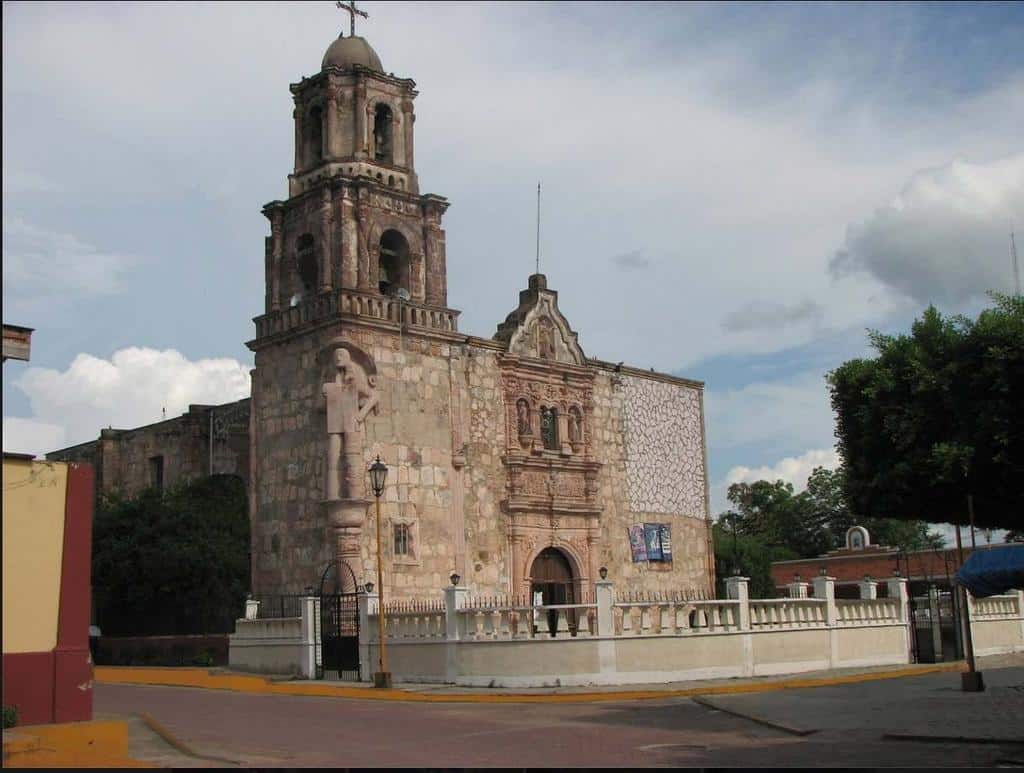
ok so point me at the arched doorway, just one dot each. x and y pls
(552, 582)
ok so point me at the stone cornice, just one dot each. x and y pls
(354, 71)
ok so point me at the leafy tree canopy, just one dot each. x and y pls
(175, 562)
(769, 522)
(938, 415)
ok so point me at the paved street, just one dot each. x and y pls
(846, 725)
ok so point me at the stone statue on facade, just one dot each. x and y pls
(523, 417)
(350, 398)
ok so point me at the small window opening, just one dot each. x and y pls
(382, 144)
(156, 472)
(391, 180)
(549, 428)
(403, 539)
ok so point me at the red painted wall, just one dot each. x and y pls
(56, 686)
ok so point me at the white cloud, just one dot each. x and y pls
(39, 262)
(945, 237)
(792, 469)
(132, 388)
(27, 436)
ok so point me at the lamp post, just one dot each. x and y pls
(378, 476)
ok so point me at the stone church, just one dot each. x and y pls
(515, 461)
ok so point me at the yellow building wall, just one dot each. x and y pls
(33, 534)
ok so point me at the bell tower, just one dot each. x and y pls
(355, 233)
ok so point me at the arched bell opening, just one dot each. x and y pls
(393, 269)
(383, 145)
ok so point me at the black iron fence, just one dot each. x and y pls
(274, 606)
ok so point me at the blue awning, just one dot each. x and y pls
(993, 571)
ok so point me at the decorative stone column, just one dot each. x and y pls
(825, 588)
(897, 587)
(327, 250)
(868, 588)
(605, 607)
(276, 256)
(359, 135)
(738, 588)
(407, 121)
(332, 121)
(299, 154)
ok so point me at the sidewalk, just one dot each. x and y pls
(225, 679)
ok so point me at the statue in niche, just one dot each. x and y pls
(575, 426)
(545, 338)
(350, 397)
(523, 417)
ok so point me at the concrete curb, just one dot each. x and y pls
(172, 740)
(205, 679)
(752, 717)
(952, 739)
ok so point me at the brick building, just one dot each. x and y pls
(858, 559)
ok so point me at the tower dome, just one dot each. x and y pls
(344, 53)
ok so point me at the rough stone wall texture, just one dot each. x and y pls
(122, 457)
(411, 433)
(664, 447)
(439, 402)
(616, 448)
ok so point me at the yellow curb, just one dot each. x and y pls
(69, 744)
(201, 678)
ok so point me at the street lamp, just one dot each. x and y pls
(378, 476)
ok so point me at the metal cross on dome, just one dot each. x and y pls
(350, 6)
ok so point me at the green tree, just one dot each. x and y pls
(938, 415)
(172, 562)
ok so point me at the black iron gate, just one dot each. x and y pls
(337, 620)
(935, 624)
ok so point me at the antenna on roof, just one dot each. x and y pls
(1016, 267)
(538, 229)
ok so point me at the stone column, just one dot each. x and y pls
(407, 121)
(277, 254)
(825, 588)
(605, 608)
(738, 588)
(349, 243)
(368, 604)
(517, 558)
(454, 600)
(897, 587)
(299, 154)
(332, 122)
(252, 609)
(359, 112)
(307, 668)
(363, 247)
(868, 589)
(327, 251)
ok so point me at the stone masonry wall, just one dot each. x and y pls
(623, 422)
(441, 431)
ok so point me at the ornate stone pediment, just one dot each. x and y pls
(538, 329)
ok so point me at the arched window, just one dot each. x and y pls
(393, 273)
(307, 267)
(549, 428)
(383, 149)
(316, 134)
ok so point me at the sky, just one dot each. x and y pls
(732, 193)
